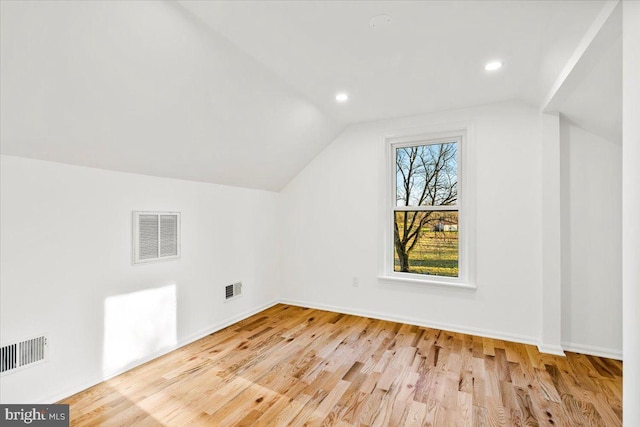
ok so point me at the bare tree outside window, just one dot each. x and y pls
(426, 212)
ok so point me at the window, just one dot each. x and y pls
(427, 235)
(156, 236)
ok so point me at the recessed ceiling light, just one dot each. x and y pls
(380, 21)
(493, 66)
(342, 97)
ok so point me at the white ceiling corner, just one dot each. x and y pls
(589, 93)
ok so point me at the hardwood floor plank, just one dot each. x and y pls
(293, 366)
(416, 414)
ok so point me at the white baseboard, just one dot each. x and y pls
(609, 353)
(551, 349)
(184, 341)
(418, 322)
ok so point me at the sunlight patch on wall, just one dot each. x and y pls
(137, 325)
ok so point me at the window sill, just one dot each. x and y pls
(428, 282)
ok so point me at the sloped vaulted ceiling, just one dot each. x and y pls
(145, 87)
(241, 92)
(430, 57)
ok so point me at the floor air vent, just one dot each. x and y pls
(22, 354)
(232, 291)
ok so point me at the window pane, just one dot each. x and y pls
(426, 242)
(427, 175)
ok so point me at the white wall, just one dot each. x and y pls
(630, 210)
(591, 242)
(66, 266)
(550, 170)
(333, 227)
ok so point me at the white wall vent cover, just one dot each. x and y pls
(23, 354)
(232, 291)
(156, 236)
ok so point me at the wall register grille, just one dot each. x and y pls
(156, 236)
(22, 354)
(232, 291)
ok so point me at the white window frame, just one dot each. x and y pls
(136, 237)
(460, 133)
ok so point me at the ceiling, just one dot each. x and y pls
(591, 94)
(242, 93)
(430, 58)
(144, 87)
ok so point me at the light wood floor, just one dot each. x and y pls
(294, 366)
